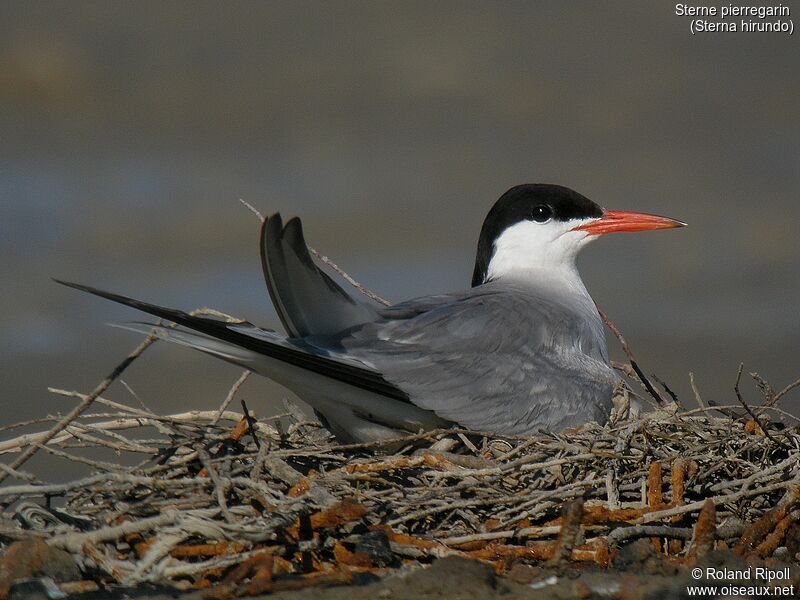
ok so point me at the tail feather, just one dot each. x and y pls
(236, 337)
(198, 341)
(308, 301)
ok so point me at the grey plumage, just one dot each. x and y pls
(501, 357)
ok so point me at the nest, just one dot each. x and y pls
(231, 504)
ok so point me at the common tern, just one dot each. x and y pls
(523, 350)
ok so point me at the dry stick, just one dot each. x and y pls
(570, 532)
(750, 411)
(187, 418)
(667, 389)
(135, 395)
(764, 386)
(621, 534)
(101, 400)
(717, 500)
(74, 542)
(625, 348)
(251, 425)
(220, 486)
(783, 392)
(100, 465)
(21, 475)
(361, 288)
(697, 396)
(81, 408)
(231, 393)
(103, 478)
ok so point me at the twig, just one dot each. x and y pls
(667, 389)
(571, 516)
(191, 417)
(81, 408)
(621, 534)
(231, 393)
(750, 412)
(783, 392)
(697, 396)
(626, 349)
(765, 387)
(361, 288)
(220, 486)
(717, 500)
(74, 542)
(22, 475)
(251, 424)
(135, 395)
(252, 209)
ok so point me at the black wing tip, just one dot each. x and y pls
(273, 229)
(162, 312)
(293, 223)
(76, 286)
(268, 224)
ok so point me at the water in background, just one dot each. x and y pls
(130, 131)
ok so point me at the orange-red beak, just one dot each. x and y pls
(621, 220)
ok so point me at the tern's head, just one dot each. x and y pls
(540, 226)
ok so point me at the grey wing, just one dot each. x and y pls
(492, 362)
(307, 300)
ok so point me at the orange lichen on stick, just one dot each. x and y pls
(329, 578)
(257, 568)
(595, 552)
(344, 556)
(200, 550)
(431, 461)
(78, 587)
(601, 515)
(705, 531)
(678, 489)
(405, 539)
(774, 538)
(22, 560)
(752, 427)
(570, 531)
(759, 529)
(655, 498)
(655, 494)
(239, 429)
(299, 488)
(342, 512)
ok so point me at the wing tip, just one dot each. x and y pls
(78, 286)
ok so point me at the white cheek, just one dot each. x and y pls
(529, 246)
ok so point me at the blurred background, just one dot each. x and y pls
(130, 130)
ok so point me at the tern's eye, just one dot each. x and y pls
(542, 213)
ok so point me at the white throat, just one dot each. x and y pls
(540, 253)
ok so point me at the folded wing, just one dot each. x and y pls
(493, 360)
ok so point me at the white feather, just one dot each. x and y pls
(534, 252)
